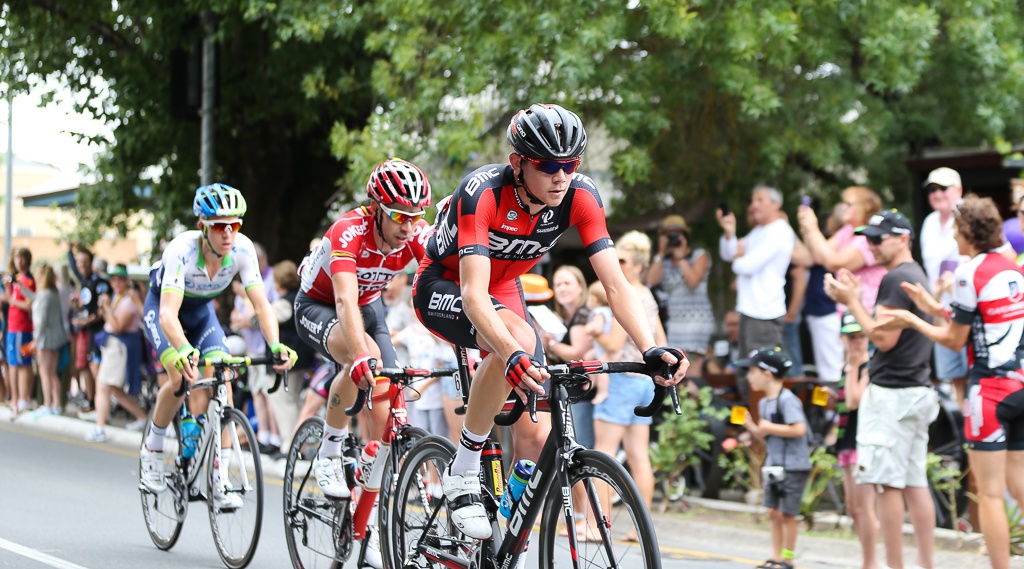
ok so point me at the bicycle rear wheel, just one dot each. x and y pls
(236, 530)
(308, 514)
(606, 548)
(165, 512)
(417, 498)
(400, 446)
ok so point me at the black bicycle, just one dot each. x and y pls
(421, 521)
(236, 529)
(322, 531)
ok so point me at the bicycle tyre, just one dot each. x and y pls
(164, 513)
(399, 448)
(236, 532)
(413, 503)
(596, 469)
(304, 492)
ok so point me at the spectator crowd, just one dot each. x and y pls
(882, 329)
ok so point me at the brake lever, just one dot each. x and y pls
(184, 388)
(531, 405)
(674, 393)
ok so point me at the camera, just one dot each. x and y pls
(772, 474)
(674, 239)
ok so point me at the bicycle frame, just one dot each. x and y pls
(194, 466)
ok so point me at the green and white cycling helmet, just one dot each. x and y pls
(218, 200)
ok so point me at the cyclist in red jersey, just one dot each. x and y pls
(986, 315)
(500, 221)
(338, 309)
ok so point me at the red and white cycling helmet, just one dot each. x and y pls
(398, 181)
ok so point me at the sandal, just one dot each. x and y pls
(773, 564)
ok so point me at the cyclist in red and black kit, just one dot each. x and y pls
(338, 309)
(500, 221)
(987, 315)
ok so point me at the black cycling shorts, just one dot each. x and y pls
(438, 304)
(314, 321)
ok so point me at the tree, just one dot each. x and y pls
(699, 99)
(283, 86)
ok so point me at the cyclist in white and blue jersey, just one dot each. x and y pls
(179, 318)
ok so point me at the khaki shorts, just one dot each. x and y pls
(892, 435)
(114, 363)
(260, 381)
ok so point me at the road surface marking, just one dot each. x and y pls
(38, 555)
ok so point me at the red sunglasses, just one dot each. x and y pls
(551, 167)
(223, 226)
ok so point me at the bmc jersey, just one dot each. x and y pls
(988, 296)
(349, 247)
(182, 269)
(486, 217)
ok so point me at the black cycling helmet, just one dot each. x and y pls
(547, 132)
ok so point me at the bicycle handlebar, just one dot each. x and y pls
(236, 363)
(404, 375)
(593, 367)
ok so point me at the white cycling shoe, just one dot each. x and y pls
(467, 510)
(330, 477)
(372, 555)
(225, 499)
(152, 474)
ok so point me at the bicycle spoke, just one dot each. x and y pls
(235, 524)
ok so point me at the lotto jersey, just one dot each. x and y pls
(182, 270)
(486, 217)
(349, 247)
(988, 296)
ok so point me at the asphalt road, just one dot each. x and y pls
(70, 504)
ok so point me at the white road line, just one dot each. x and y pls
(38, 555)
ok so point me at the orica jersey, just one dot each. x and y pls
(348, 246)
(182, 269)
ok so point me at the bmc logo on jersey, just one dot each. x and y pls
(449, 303)
(351, 233)
(476, 181)
(516, 248)
(445, 235)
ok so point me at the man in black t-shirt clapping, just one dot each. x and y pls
(900, 403)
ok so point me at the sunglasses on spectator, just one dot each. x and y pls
(932, 188)
(401, 217)
(551, 167)
(877, 239)
(222, 226)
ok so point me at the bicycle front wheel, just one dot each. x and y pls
(308, 514)
(400, 446)
(165, 512)
(418, 498)
(607, 536)
(235, 490)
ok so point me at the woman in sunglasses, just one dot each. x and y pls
(179, 319)
(501, 220)
(339, 310)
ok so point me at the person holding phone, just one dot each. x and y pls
(760, 261)
(843, 250)
(682, 271)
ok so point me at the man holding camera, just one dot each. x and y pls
(760, 261)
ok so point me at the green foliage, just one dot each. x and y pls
(701, 99)
(1016, 520)
(741, 463)
(679, 436)
(824, 470)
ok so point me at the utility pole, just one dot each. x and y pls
(9, 200)
(208, 111)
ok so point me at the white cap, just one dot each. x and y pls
(944, 177)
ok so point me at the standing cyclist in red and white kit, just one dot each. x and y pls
(339, 310)
(500, 221)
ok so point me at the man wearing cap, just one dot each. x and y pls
(760, 261)
(941, 255)
(899, 403)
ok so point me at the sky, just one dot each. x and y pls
(41, 134)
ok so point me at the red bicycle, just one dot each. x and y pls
(321, 531)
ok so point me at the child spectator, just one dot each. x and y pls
(599, 322)
(426, 351)
(783, 427)
(860, 498)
